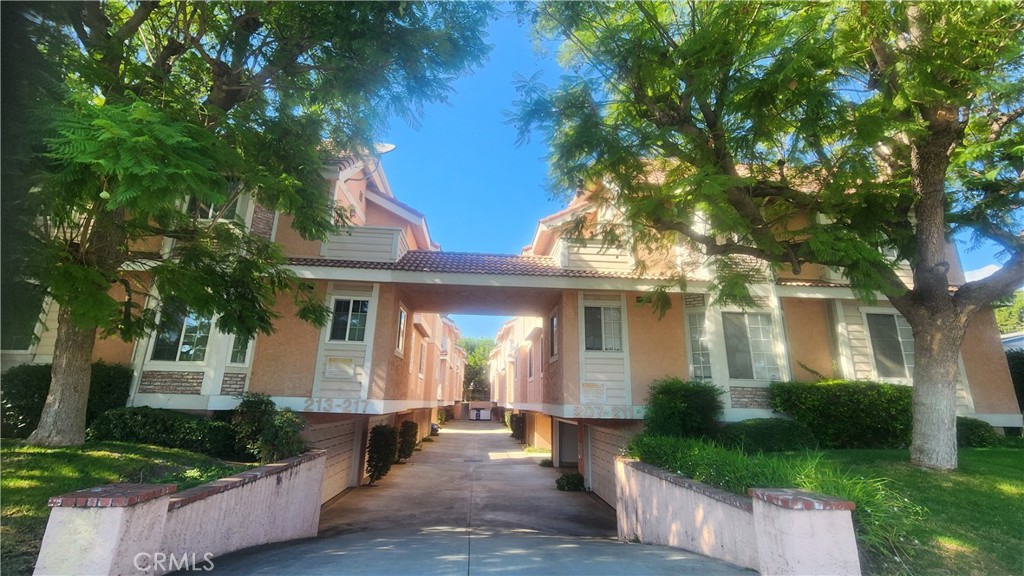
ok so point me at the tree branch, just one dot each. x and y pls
(991, 288)
(140, 15)
(1000, 122)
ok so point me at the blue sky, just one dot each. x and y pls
(478, 190)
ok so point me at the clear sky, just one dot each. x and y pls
(478, 190)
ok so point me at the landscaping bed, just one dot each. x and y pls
(32, 474)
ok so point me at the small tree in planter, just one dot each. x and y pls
(381, 451)
(407, 438)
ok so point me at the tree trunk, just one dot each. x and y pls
(63, 420)
(936, 373)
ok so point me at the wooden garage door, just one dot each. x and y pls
(339, 440)
(605, 445)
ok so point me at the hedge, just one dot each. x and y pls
(23, 391)
(847, 414)
(167, 428)
(679, 408)
(767, 435)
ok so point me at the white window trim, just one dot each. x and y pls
(248, 352)
(530, 370)
(909, 378)
(553, 327)
(403, 331)
(777, 343)
(623, 332)
(213, 342)
(332, 300)
(421, 367)
(689, 342)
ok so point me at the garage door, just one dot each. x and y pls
(339, 440)
(605, 444)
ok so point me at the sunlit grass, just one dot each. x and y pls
(974, 514)
(32, 474)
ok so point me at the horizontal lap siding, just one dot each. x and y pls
(610, 371)
(605, 445)
(364, 244)
(338, 439)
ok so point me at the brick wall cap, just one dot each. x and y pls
(794, 499)
(112, 496)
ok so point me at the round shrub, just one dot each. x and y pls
(767, 435)
(679, 408)
(381, 450)
(23, 391)
(570, 482)
(264, 431)
(167, 428)
(974, 433)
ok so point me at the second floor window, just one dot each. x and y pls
(203, 211)
(892, 342)
(181, 337)
(349, 321)
(700, 354)
(749, 346)
(602, 327)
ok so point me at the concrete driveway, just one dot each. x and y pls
(471, 502)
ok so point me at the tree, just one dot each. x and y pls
(168, 105)
(853, 135)
(1010, 317)
(475, 383)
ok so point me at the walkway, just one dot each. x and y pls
(471, 502)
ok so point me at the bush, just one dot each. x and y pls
(883, 516)
(767, 435)
(546, 463)
(380, 453)
(517, 422)
(846, 414)
(686, 409)
(974, 433)
(167, 428)
(407, 436)
(23, 391)
(570, 482)
(264, 431)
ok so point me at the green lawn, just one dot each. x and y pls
(31, 475)
(974, 524)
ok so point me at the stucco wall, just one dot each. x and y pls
(389, 375)
(986, 367)
(285, 361)
(291, 242)
(569, 353)
(809, 336)
(657, 347)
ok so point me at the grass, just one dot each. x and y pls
(973, 518)
(31, 475)
(535, 450)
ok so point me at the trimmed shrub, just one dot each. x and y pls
(767, 435)
(408, 434)
(974, 433)
(380, 453)
(882, 515)
(570, 482)
(517, 422)
(686, 409)
(264, 431)
(848, 414)
(23, 392)
(167, 428)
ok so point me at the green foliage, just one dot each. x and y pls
(264, 431)
(381, 451)
(408, 435)
(974, 433)
(882, 514)
(475, 384)
(516, 423)
(442, 416)
(1015, 361)
(679, 408)
(23, 390)
(546, 463)
(848, 414)
(167, 428)
(570, 482)
(1010, 317)
(767, 435)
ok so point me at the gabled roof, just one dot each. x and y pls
(469, 263)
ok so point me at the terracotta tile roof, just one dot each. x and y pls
(467, 263)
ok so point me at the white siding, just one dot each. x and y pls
(592, 256)
(609, 371)
(604, 445)
(366, 244)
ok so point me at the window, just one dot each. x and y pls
(700, 355)
(553, 335)
(181, 337)
(403, 318)
(529, 362)
(349, 322)
(423, 359)
(892, 342)
(203, 211)
(239, 351)
(749, 346)
(603, 328)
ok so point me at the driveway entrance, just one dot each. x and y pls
(471, 502)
